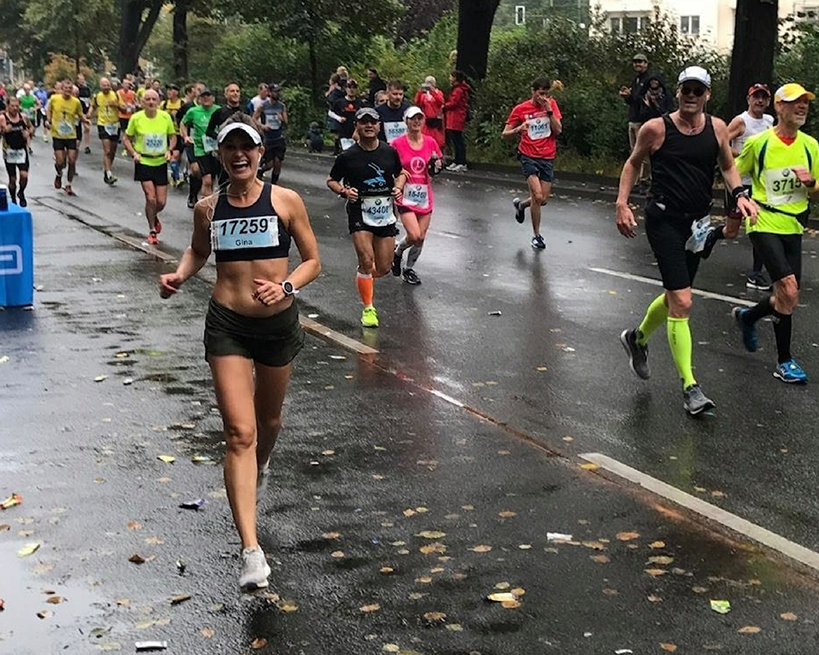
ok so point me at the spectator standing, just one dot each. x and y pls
(430, 99)
(334, 94)
(376, 84)
(457, 113)
(633, 97)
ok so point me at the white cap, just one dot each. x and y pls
(413, 111)
(695, 74)
(252, 132)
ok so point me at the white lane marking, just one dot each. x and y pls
(342, 340)
(448, 235)
(697, 292)
(449, 399)
(707, 510)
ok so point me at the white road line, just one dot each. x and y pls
(697, 292)
(449, 399)
(712, 512)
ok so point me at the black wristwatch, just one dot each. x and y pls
(740, 192)
(289, 289)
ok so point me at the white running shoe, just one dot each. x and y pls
(255, 569)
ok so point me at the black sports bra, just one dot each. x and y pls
(239, 234)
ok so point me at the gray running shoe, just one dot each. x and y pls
(520, 212)
(637, 354)
(255, 569)
(695, 401)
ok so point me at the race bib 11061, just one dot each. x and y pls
(539, 128)
(254, 232)
(377, 211)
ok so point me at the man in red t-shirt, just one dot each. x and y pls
(538, 122)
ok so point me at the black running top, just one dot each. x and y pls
(248, 233)
(682, 170)
(15, 139)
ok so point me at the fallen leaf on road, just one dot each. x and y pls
(327, 453)
(525, 547)
(44, 614)
(181, 598)
(137, 559)
(370, 608)
(168, 459)
(558, 536)
(655, 599)
(656, 573)
(468, 508)
(134, 525)
(433, 548)
(699, 590)
(421, 510)
(332, 535)
(154, 541)
(663, 560)
(5, 359)
(590, 466)
(431, 534)
(482, 548)
(287, 606)
(258, 643)
(657, 544)
(510, 604)
(100, 378)
(718, 494)
(337, 554)
(386, 570)
(11, 501)
(416, 595)
(2, 604)
(4, 527)
(668, 647)
(201, 459)
(424, 579)
(507, 514)
(434, 617)
(391, 648)
(788, 616)
(409, 512)
(601, 559)
(454, 627)
(55, 600)
(501, 597)
(110, 645)
(207, 633)
(122, 602)
(627, 536)
(721, 606)
(29, 549)
(749, 630)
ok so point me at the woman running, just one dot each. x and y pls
(421, 158)
(252, 325)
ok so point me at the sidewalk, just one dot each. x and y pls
(390, 518)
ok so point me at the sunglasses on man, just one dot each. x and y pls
(697, 91)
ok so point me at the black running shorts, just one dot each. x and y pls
(781, 253)
(667, 235)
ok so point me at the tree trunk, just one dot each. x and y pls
(475, 18)
(752, 59)
(134, 31)
(180, 40)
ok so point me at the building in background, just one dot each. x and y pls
(712, 21)
(540, 12)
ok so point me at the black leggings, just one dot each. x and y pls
(456, 140)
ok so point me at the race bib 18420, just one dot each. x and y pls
(377, 211)
(782, 187)
(254, 232)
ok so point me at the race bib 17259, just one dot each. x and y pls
(254, 232)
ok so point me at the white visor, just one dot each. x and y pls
(252, 132)
(413, 111)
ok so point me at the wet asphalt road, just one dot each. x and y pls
(364, 449)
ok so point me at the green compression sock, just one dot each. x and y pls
(656, 314)
(679, 340)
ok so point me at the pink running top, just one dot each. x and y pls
(418, 196)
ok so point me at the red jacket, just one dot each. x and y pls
(432, 105)
(457, 107)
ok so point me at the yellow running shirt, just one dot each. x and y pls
(64, 116)
(107, 108)
(150, 136)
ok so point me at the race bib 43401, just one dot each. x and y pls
(377, 211)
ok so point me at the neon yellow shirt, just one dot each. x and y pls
(150, 136)
(107, 108)
(775, 184)
(64, 117)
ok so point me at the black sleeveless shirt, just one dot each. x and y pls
(248, 233)
(15, 139)
(682, 170)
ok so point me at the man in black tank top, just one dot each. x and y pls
(685, 147)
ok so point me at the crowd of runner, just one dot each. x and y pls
(387, 151)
